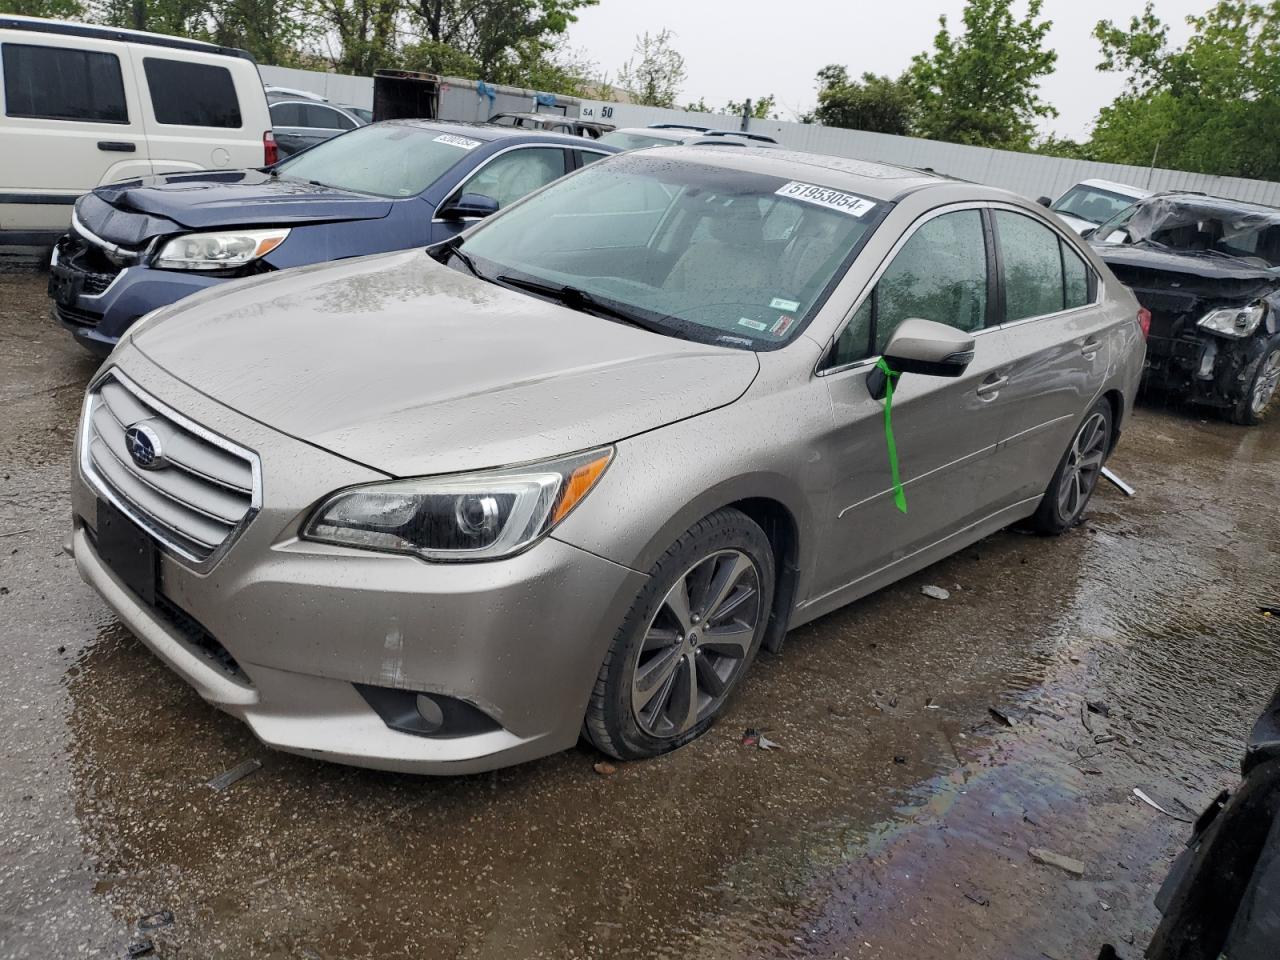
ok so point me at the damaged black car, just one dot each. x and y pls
(1206, 269)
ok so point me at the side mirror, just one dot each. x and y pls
(469, 206)
(1044, 201)
(924, 347)
(1088, 232)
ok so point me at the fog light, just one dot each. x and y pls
(426, 714)
(430, 712)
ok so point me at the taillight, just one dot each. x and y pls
(270, 152)
(1144, 322)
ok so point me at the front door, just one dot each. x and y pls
(946, 430)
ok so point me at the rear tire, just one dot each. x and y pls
(1077, 475)
(687, 640)
(1261, 398)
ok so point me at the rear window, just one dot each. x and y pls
(55, 83)
(192, 94)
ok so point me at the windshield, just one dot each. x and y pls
(1091, 203)
(388, 159)
(692, 250)
(1213, 228)
(635, 141)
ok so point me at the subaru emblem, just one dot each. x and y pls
(144, 447)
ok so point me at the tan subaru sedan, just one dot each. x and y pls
(450, 509)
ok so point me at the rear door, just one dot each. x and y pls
(72, 120)
(1054, 339)
(200, 111)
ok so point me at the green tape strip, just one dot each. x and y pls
(899, 494)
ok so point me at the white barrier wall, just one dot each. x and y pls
(1029, 174)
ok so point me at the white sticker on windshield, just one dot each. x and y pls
(826, 197)
(752, 324)
(777, 303)
(454, 141)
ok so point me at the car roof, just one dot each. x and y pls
(119, 34)
(674, 136)
(490, 132)
(1124, 189)
(879, 181)
(1224, 204)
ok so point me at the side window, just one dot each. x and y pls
(940, 274)
(854, 343)
(590, 156)
(514, 174)
(1075, 277)
(324, 118)
(1032, 259)
(57, 83)
(286, 115)
(191, 94)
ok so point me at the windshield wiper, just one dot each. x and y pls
(452, 248)
(579, 299)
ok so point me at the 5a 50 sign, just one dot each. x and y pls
(606, 113)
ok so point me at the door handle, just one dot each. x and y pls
(117, 146)
(1090, 347)
(991, 386)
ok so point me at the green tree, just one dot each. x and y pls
(656, 72)
(878, 104)
(365, 31)
(1210, 107)
(54, 9)
(982, 87)
(760, 109)
(1054, 146)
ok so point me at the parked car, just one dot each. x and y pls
(443, 510)
(300, 120)
(1222, 896)
(1206, 268)
(386, 186)
(554, 122)
(679, 134)
(85, 106)
(1091, 202)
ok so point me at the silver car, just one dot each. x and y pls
(446, 510)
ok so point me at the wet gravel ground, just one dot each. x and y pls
(893, 821)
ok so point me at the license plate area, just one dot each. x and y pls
(64, 284)
(128, 552)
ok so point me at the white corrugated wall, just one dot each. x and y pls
(1029, 174)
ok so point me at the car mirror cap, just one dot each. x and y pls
(469, 206)
(1044, 201)
(1088, 232)
(926, 348)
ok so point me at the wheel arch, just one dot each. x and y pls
(780, 527)
(1115, 399)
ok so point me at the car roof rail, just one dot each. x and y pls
(677, 126)
(740, 133)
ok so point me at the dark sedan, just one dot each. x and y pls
(142, 244)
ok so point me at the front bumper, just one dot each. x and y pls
(521, 639)
(1203, 367)
(98, 307)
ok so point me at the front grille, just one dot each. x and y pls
(205, 489)
(95, 283)
(194, 632)
(77, 317)
(96, 270)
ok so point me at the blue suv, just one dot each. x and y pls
(142, 244)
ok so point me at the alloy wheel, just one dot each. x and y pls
(1084, 465)
(696, 645)
(1264, 388)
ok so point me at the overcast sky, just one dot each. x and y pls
(748, 48)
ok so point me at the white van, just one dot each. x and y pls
(86, 105)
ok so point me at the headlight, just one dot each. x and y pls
(218, 251)
(1234, 321)
(471, 516)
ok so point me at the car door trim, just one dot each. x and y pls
(987, 207)
(562, 147)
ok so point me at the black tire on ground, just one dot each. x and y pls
(1254, 408)
(1077, 475)
(674, 663)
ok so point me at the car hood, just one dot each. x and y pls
(1147, 267)
(413, 368)
(132, 212)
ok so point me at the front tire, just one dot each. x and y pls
(1260, 399)
(687, 640)
(1077, 475)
